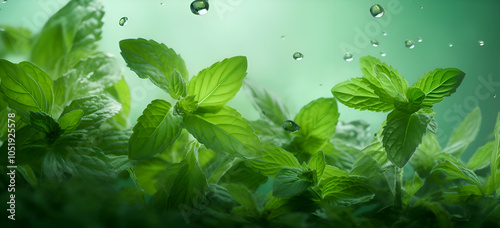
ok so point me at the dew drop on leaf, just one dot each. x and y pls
(374, 43)
(377, 10)
(290, 126)
(348, 57)
(409, 44)
(481, 43)
(199, 7)
(123, 21)
(298, 56)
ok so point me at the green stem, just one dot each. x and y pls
(398, 202)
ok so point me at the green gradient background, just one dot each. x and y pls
(321, 30)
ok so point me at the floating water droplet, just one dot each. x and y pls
(383, 54)
(162, 4)
(298, 56)
(384, 33)
(450, 45)
(283, 37)
(419, 39)
(348, 57)
(495, 96)
(4, 1)
(290, 126)
(199, 7)
(481, 43)
(421, 7)
(374, 43)
(123, 21)
(409, 44)
(320, 84)
(377, 10)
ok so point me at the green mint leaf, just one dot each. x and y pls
(385, 81)
(155, 131)
(187, 186)
(43, 122)
(318, 164)
(242, 195)
(149, 59)
(462, 136)
(317, 121)
(186, 105)
(214, 86)
(70, 121)
(73, 30)
(15, 41)
(269, 106)
(345, 191)
(371, 161)
(357, 93)
(96, 110)
(438, 84)
(457, 171)
(114, 142)
(291, 181)
(149, 173)
(26, 88)
(481, 158)
(413, 101)
(273, 160)
(402, 134)
(121, 93)
(90, 76)
(225, 131)
(411, 188)
(332, 171)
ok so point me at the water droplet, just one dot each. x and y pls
(409, 44)
(290, 126)
(377, 10)
(495, 96)
(162, 4)
(374, 43)
(419, 39)
(450, 45)
(4, 1)
(383, 54)
(421, 7)
(348, 57)
(283, 37)
(320, 84)
(384, 34)
(123, 21)
(481, 43)
(298, 56)
(199, 7)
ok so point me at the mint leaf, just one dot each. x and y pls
(291, 181)
(481, 158)
(318, 164)
(413, 101)
(30, 145)
(90, 76)
(71, 120)
(462, 136)
(43, 122)
(26, 88)
(457, 171)
(96, 110)
(438, 84)
(120, 92)
(242, 195)
(268, 105)
(225, 131)
(385, 81)
(402, 134)
(424, 158)
(155, 131)
(15, 41)
(317, 121)
(213, 87)
(273, 160)
(411, 188)
(357, 93)
(149, 59)
(345, 191)
(73, 30)
(240, 173)
(149, 172)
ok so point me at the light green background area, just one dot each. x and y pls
(323, 31)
